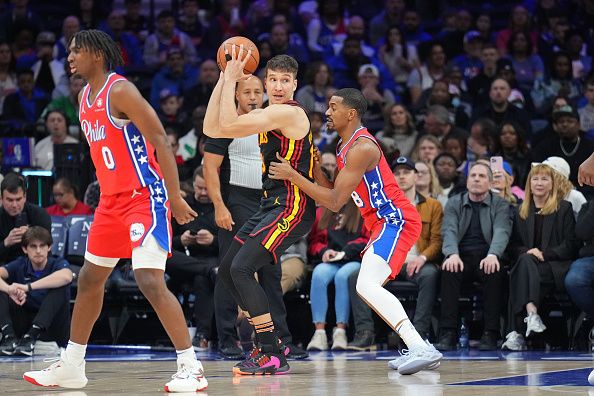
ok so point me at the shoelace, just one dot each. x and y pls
(263, 360)
(55, 360)
(187, 372)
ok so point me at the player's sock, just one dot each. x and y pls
(251, 322)
(265, 331)
(186, 353)
(410, 335)
(75, 353)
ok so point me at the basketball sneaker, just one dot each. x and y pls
(404, 356)
(339, 339)
(61, 373)
(263, 361)
(534, 324)
(189, 377)
(256, 350)
(514, 341)
(591, 378)
(420, 359)
(319, 341)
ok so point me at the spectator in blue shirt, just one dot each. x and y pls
(34, 296)
(175, 76)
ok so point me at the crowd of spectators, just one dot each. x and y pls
(485, 112)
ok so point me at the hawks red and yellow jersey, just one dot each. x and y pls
(377, 195)
(124, 160)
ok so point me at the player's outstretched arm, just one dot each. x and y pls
(125, 99)
(211, 126)
(362, 156)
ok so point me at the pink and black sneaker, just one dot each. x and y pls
(261, 363)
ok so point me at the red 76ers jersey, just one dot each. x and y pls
(377, 195)
(124, 160)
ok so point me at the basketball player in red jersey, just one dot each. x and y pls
(394, 222)
(138, 197)
(286, 213)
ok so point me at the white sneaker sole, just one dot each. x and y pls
(201, 386)
(71, 384)
(414, 366)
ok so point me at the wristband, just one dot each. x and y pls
(29, 287)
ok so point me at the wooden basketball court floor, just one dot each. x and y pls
(138, 372)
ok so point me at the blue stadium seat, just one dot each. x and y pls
(78, 231)
(59, 235)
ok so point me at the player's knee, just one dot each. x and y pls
(89, 281)
(240, 269)
(150, 282)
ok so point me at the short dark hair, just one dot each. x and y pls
(23, 71)
(68, 185)
(198, 172)
(283, 63)
(99, 42)
(36, 233)
(354, 99)
(165, 14)
(12, 182)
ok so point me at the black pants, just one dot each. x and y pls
(243, 203)
(530, 281)
(53, 315)
(200, 270)
(451, 283)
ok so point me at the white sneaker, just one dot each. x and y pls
(62, 373)
(189, 377)
(534, 324)
(591, 378)
(405, 355)
(319, 341)
(420, 359)
(514, 341)
(339, 339)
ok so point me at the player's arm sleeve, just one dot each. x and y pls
(217, 145)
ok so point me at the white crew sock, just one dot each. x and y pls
(75, 353)
(186, 354)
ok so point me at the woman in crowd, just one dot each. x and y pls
(65, 195)
(399, 131)
(511, 145)
(544, 243)
(398, 56)
(427, 148)
(56, 125)
(335, 243)
(527, 65)
(428, 183)
(313, 95)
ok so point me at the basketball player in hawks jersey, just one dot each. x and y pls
(138, 197)
(395, 224)
(286, 213)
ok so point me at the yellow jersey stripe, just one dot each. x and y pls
(289, 218)
(291, 150)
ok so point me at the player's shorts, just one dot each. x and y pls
(393, 241)
(126, 221)
(281, 220)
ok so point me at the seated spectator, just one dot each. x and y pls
(90, 14)
(399, 56)
(68, 104)
(527, 65)
(587, 112)
(34, 296)
(559, 82)
(198, 240)
(184, 172)
(170, 111)
(399, 133)
(456, 146)
(189, 22)
(565, 188)
(328, 164)
(502, 183)
(450, 180)
(293, 265)
(70, 26)
(312, 96)
(378, 99)
(568, 142)
(470, 63)
(391, 15)
(92, 195)
(281, 42)
(23, 107)
(65, 195)
(136, 23)
(8, 79)
(544, 244)
(479, 86)
(335, 243)
(57, 127)
(511, 145)
(481, 139)
(412, 29)
(426, 149)
(173, 76)
(580, 277)
(440, 94)
(127, 42)
(476, 229)
(499, 110)
(421, 266)
(437, 119)
(432, 69)
(16, 216)
(188, 143)
(427, 184)
(581, 60)
(519, 21)
(166, 37)
(227, 23)
(46, 68)
(199, 92)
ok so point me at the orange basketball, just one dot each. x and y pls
(252, 63)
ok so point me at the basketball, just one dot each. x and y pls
(252, 63)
